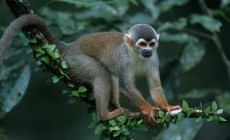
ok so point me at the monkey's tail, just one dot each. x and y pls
(23, 21)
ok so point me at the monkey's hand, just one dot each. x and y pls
(169, 108)
(149, 115)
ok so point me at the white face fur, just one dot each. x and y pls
(146, 48)
(143, 43)
(143, 47)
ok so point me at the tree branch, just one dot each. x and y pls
(60, 70)
(215, 37)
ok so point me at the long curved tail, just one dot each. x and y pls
(23, 21)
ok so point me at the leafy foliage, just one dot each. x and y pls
(122, 125)
(187, 54)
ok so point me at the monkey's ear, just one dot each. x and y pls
(128, 40)
(158, 36)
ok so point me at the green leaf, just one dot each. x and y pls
(180, 116)
(116, 133)
(210, 118)
(38, 55)
(158, 120)
(34, 40)
(63, 73)
(219, 111)
(64, 65)
(70, 85)
(92, 124)
(207, 22)
(180, 24)
(192, 55)
(216, 118)
(122, 119)
(55, 55)
(51, 48)
(161, 114)
(65, 91)
(140, 121)
(45, 46)
(222, 119)
(99, 129)
(224, 3)
(198, 119)
(46, 59)
(166, 5)
(115, 128)
(179, 38)
(134, 122)
(189, 111)
(72, 101)
(38, 49)
(207, 111)
(167, 118)
(185, 106)
(112, 122)
(125, 131)
(75, 93)
(17, 91)
(223, 100)
(55, 79)
(82, 89)
(214, 106)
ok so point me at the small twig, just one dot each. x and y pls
(215, 37)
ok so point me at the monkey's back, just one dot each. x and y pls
(101, 46)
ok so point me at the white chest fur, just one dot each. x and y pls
(137, 63)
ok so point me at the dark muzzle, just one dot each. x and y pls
(146, 53)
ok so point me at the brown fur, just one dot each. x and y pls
(109, 62)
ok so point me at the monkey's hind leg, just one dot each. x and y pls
(115, 93)
(102, 90)
(90, 70)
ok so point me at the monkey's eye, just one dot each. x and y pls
(143, 44)
(152, 44)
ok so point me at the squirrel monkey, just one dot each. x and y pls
(109, 62)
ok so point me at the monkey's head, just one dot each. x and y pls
(143, 39)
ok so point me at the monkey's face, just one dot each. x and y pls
(146, 48)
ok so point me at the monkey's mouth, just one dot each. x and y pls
(146, 53)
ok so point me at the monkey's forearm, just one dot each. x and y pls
(158, 97)
(135, 98)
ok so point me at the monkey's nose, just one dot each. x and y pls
(146, 53)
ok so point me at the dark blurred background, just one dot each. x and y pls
(194, 54)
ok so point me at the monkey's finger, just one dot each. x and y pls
(175, 107)
(148, 120)
(156, 108)
(153, 119)
(168, 109)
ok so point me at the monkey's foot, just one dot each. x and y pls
(113, 114)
